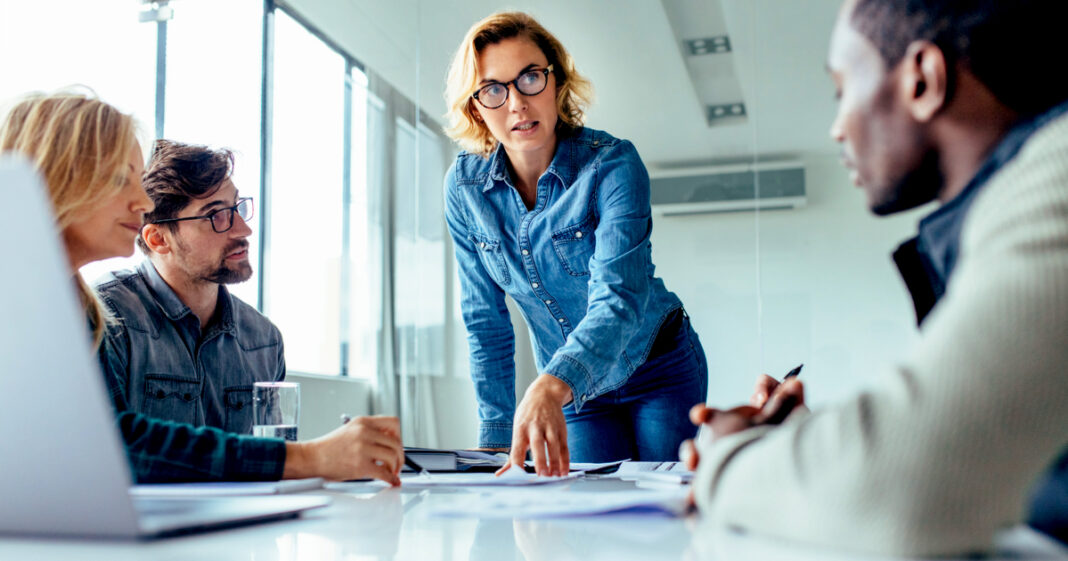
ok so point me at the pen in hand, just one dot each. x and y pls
(407, 461)
(786, 405)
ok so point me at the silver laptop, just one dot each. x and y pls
(63, 468)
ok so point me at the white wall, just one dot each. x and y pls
(831, 296)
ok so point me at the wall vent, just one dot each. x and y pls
(713, 189)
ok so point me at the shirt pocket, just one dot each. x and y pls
(238, 401)
(171, 398)
(574, 246)
(489, 250)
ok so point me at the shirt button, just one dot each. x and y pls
(578, 234)
(482, 245)
(535, 285)
(548, 301)
(561, 320)
(525, 252)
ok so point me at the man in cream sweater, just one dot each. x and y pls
(954, 100)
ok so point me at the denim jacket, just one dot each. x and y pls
(157, 361)
(578, 265)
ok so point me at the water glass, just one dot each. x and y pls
(276, 409)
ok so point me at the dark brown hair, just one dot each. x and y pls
(179, 173)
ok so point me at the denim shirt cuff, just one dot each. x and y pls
(255, 459)
(575, 375)
(495, 434)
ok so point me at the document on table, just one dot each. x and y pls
(511, 478)
(226, 488)
(556, 503)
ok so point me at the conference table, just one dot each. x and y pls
(370, 522)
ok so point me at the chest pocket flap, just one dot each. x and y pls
(492, 255)
(574, 246)
(171, 398)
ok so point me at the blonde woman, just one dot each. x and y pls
(557, 216)
(88, 154)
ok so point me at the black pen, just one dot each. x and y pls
(407, 461)
(788, 403)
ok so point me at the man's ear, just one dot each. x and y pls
(924, 80)
(156, 238)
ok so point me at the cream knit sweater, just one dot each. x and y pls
(939, 451)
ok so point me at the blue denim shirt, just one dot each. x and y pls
(579, 266)
(157, 361)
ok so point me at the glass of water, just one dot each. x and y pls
(275, 409)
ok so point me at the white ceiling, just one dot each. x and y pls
(628, 50)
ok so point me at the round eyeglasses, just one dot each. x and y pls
(222, 219)
(530, 82)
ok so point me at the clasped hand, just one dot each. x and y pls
(771, 403)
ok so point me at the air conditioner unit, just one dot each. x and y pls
(735, 188)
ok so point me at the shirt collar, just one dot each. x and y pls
(936, 247)
(1003, 153)
(563, 165)
(174, 308)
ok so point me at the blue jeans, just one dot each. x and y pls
(648, 417)
(1049, 504)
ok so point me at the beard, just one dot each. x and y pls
(918, 186)
(224, 273)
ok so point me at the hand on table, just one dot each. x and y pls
(361, 448)
(540, 426)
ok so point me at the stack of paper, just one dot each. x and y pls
(510, 478)
(555, 503)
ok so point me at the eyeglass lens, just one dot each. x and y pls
(223, 219)
(531, 82)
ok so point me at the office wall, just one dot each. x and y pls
(829, 295)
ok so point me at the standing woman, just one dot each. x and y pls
(557, 216)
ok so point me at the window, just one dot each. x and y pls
(214, 77)
(419, 252)
(304, 247)
(84, 41)
(362, 336)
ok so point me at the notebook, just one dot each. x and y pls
(63, 468)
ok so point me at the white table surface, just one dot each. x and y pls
(371, 523)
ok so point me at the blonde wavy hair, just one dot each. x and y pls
(79, 145)
(573, 91)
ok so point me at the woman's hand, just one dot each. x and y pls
(540, 426)
(363, 447)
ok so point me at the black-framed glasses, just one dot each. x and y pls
(222, 219)
(530, 82)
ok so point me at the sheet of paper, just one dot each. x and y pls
(631, 470)
(226, 488)
(556, 503)
(591, 467)
(510, 478)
